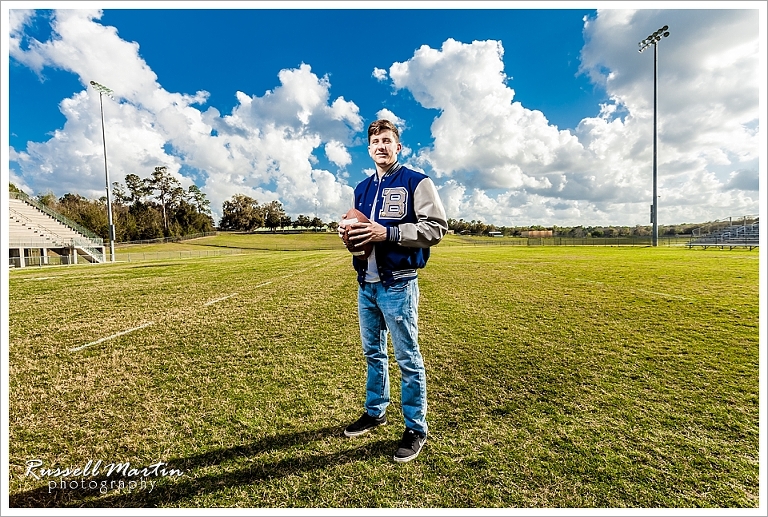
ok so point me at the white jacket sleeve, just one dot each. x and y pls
(432, 223)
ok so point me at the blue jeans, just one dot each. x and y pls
(395, 310)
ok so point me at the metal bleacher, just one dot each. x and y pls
(728, 235)
(38, 235)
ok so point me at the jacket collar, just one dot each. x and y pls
(392, 169)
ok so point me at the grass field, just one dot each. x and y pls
(558, 377)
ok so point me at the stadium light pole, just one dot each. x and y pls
(106, 91)
(654, 39)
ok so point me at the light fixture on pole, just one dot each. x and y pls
(654, 39)
(106, 91)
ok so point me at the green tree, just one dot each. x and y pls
(187, 219)
(478, 227)
(302, 221)
(47, 199)
(273, 214)
(119, 196)
(167, 190)
(459, 227)
(197, 198)
(641, 231)
(91, 214)
(148, 221)
(71, 202)
(241, 213)
(176, 203)
(137, 187)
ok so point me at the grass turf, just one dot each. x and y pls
(557, 377)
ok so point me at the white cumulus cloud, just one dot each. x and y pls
(481, 137)
(498, 161)
(380, 74)
(264, 148)
(385, 114)
(337, 153)
(492, 158)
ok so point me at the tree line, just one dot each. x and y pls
(158, 206)
(142, 208)
(479, 228)
(243, 213)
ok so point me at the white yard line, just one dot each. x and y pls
(589, 281)
(282, 277)
(211, 302)
(118, 334)
(217, 300)
(662, 294)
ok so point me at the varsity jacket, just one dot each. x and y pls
(407, 204)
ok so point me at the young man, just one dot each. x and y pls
(406, 218)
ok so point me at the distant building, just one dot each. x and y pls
(495, 234)
(537, 233)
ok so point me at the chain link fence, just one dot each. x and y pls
(168, 255)
(678, 240)
(63, 260)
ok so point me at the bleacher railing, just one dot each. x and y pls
(725, 225)
(98, 241)
(89, 248)
(747, 234)
(92, 244)
(55, 260)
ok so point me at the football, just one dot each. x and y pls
(351, 217)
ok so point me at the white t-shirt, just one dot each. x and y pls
(372, 273)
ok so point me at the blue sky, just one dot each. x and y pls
(521, 116)
(211, 37)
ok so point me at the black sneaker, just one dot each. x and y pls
(364, 424)
(410, 446)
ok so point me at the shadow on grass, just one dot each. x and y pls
(172, 493)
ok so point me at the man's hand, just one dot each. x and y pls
(363, 233)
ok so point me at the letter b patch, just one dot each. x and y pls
(393, 206)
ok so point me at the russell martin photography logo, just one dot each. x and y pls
(101, 476)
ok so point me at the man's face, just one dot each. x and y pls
(383, 148)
